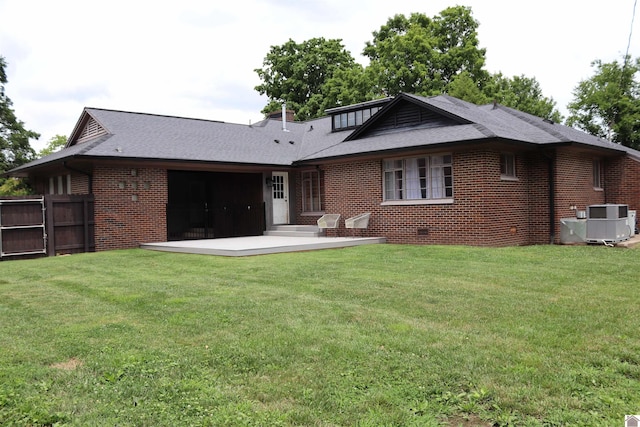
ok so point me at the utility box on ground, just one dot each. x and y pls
(607, 223)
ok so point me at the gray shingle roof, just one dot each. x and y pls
(174, 138)
(485, 122)
(167, 138)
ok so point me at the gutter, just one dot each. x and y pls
(66, 166)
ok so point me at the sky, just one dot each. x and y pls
(196, 58)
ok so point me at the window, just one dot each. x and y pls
(353, 118)
(507, 165)
(418, 178)
(311, 192)
(60, 184)
(597, 174)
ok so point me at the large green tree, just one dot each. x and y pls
(415, 54)
(295, 73)
(15, 149)
(608, 103)
(519, 92)
(423, 55)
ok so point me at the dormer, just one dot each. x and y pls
(352, 116)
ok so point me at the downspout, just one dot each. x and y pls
(552, 198)
(89, 175)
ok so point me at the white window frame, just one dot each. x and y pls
(418, 180)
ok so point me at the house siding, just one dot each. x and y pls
(487, 210)
(574, 184)
(129, 209)
(79, 184)
(622, 180)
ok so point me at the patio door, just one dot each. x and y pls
(280, 196)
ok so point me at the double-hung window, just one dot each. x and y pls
(418, 178)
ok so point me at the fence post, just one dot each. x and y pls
(85, 214)
(50, 226)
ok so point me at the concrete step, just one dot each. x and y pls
(294, 231)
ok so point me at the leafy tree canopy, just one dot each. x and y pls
(296, 72)
(421, 55)
(608, 103)
(519, 92)
(15, 149)
(55, 143)
(415, 54)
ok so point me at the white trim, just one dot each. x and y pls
(508, 178)
(417, 202)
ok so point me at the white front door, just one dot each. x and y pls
(280, 193)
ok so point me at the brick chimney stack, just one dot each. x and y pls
(277, 115)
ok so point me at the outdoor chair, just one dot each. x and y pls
(358, 221)
(328, 221)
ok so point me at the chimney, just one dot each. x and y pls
(284, 116)
(277, 115)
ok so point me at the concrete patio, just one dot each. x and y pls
(259, 245)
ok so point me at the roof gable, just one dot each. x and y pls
(86, 129)
(406, 112)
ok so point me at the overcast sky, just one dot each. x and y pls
(195, 58)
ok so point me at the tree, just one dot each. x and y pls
(423, 56)
(15, 149)
(415, 54)
(522, 93)
(296, 73)
(608, 103)
(15, 187)
(55, 143)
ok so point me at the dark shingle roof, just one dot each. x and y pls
(167, 138)
(478, 123)
(175, 138)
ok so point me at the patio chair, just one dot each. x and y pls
(328, 221)
(358, 221)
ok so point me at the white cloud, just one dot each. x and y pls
(197, 58)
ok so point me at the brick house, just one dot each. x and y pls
(434, 170)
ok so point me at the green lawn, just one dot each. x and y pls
(379, 335)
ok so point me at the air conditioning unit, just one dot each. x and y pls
(607, 223)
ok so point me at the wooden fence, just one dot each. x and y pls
(34, 226)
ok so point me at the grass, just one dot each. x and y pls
(380, 335)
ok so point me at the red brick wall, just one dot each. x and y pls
(79, 184)
(122, 222)
(622, 182)
(574, 184)
(487, 210)
(537, 166)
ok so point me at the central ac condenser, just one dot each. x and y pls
(607, 223)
